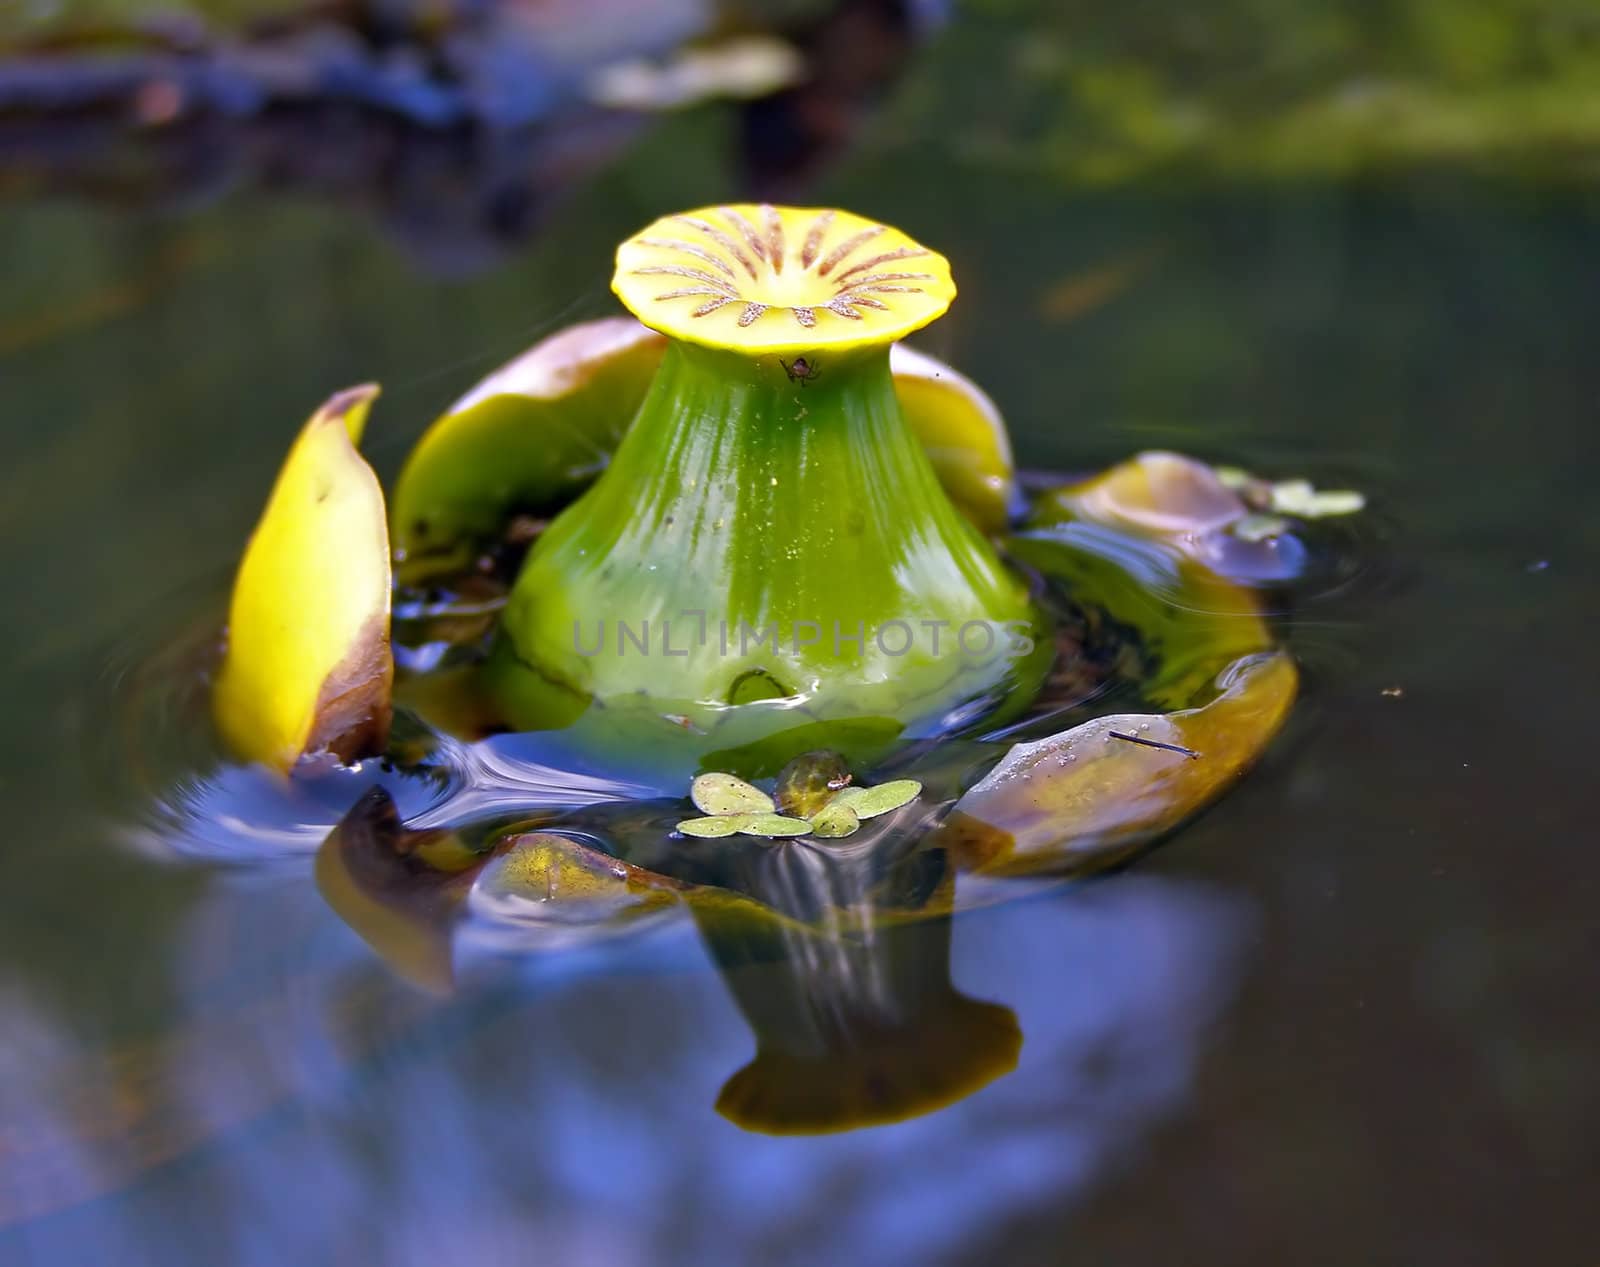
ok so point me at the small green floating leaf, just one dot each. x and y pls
(715, 825)
(1296, 497)
(810, 781)
(835, 821)
(1299, 498)
(1260, 527)
(772, 825)
(740, 67)
(716, 793)
(869, 802)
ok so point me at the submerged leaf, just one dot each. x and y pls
(547, 867)
(885, 798)
(809, 782)
(716, 793)
(307, 667)
(568, 882)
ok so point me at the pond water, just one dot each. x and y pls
(1347, 1016)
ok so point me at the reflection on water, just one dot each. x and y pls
(319, 1111)
(856, 1020)
(837, 954)
(459, 128)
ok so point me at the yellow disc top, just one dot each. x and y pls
(763, 279)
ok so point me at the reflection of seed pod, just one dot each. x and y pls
(850, 1030)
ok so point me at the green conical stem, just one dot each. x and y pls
(800, 518)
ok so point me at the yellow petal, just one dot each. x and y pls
(527, 437)
(308, 667)
(762, 279)
(962, 432)
(1157, 494)
(1184, 503)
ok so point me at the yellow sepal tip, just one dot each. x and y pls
(307, 667)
